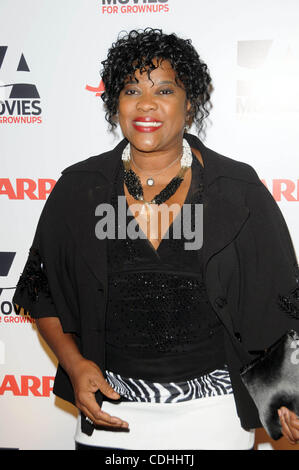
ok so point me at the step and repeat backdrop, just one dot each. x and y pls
(51, 115)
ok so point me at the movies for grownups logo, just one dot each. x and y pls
(268, 77)
(134, 6)
(19, 99)
(7, 314)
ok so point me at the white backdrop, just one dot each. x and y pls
(252, 50)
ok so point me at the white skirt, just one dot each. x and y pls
(209, 423)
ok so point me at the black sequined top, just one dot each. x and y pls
(160, 324)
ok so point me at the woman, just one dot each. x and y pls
(139, 322)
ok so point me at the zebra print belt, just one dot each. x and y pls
(212, 384)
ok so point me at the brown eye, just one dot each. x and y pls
(166, 91)
(130, 91)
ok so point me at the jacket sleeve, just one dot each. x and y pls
(269, 294)
(45, 288)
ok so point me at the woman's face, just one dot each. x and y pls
(152, 112)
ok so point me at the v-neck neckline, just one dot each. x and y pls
(187, 198)
(156, 250)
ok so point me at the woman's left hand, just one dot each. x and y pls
(290, 424)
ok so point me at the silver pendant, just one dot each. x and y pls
(150, 182)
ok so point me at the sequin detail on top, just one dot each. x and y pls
(34, 278)
(215, 383)
(289, 302)
(158, 312)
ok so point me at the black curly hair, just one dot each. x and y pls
(136, 50)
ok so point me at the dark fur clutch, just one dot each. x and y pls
(272, 380)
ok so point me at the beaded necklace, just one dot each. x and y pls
(133, 182)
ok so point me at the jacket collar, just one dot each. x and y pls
(223, 218)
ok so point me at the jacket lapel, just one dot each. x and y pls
(222, 218)
(93, 250)
(222, 221)
(95, 189)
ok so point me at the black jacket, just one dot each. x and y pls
(250, 267)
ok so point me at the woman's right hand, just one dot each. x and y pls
(86, 379)
(85, 375)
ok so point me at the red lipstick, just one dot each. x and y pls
(146, 124)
